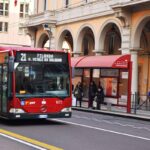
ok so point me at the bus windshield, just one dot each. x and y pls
(42, 79)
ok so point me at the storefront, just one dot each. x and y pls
(112, 72)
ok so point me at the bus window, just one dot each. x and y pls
(36, 79)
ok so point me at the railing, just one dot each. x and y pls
(140, 102)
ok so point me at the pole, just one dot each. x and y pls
(49, 34)
(129, 87)
(147, 86)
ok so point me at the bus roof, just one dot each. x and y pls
(11, 48)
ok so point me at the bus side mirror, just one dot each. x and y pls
(11, 64)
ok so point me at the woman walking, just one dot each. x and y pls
(78, 93)
(92, 92)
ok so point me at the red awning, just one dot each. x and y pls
(76, 60)
(113, 61)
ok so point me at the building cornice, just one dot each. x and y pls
(85, 11)
(128, 3)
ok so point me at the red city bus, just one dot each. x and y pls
(34, 83)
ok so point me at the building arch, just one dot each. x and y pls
(65, 36)
(43, 38)
(137, 32)
(101, 36)
(85, 40)
(140, 38)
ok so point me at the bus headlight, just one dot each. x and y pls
(16, 111)
(66, 109)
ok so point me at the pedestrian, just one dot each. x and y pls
(99, 97)
(92, 93)
(78, 93)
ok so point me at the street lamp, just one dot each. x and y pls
(48, 29)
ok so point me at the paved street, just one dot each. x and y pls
(84, 131)
(6, 144)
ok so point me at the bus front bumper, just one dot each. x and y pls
(38, 116)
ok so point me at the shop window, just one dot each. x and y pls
(86, 82)
(24, 10)
(96, 76)
(3, 26)
(123, 83)
(109, 81)
(21, 10)
(45, 4)
(110, 86)
(4, 8)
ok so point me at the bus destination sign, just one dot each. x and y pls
(41, 57)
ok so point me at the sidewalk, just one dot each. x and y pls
(116, 111)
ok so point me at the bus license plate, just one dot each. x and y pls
(43, 116)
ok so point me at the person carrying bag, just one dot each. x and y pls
(78, 93)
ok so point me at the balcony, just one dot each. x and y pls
(42, 18)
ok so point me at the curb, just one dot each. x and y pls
(119, 114)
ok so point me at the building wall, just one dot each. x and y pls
(13, 37)
(98, 16)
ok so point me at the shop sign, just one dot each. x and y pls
(109, 72)
(121, 64)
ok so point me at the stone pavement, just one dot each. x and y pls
(116, 111)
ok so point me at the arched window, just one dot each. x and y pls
(113, 41)
(66, 3)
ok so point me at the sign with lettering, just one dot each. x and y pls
(41, 57)
(109, 72)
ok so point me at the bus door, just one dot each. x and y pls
(3, 88)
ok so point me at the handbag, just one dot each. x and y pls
(95, 98)
(94, 103)
(76, 92)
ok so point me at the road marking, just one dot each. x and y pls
(105, 130)
(113, 123)
(28, 141)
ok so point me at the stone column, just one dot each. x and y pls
(77, 54)
(52, 38)
(76, 50)
(99, 52)
(134, 59)
(32, 34)
(125, 40)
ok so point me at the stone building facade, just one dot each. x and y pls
(12, 16)
(97, 27)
